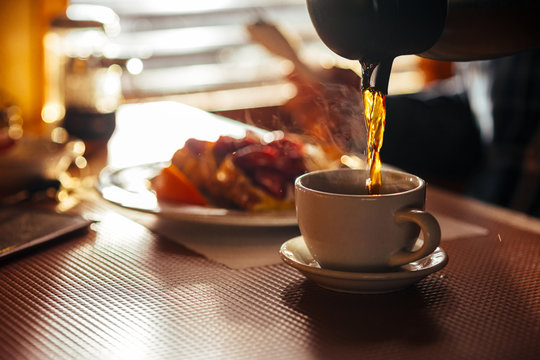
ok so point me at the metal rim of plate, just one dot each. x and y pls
(128, 187)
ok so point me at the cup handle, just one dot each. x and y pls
(432, 235)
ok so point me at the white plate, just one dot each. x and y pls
(294, 252)
(129, 188)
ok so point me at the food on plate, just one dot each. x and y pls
(172, 184)
(252, 173)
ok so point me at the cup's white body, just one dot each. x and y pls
(357, 232)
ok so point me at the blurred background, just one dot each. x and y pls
(68, 66)
(199, 53)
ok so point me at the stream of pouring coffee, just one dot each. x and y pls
(375, 117)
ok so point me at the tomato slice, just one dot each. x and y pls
(172, 184)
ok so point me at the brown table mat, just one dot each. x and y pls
(119, 291)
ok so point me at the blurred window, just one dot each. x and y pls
(182, 49)
(200, 53)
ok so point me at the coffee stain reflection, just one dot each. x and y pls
(343, 322)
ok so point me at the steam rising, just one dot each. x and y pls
(343, 119)
(329, 115)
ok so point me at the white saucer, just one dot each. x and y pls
(294, 252)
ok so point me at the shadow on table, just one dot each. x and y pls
(363, 320)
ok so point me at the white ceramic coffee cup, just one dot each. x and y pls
(345, 228)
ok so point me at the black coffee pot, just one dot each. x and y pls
(377, 31)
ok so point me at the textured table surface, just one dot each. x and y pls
(118, 291)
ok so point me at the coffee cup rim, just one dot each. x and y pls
(298, 183)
